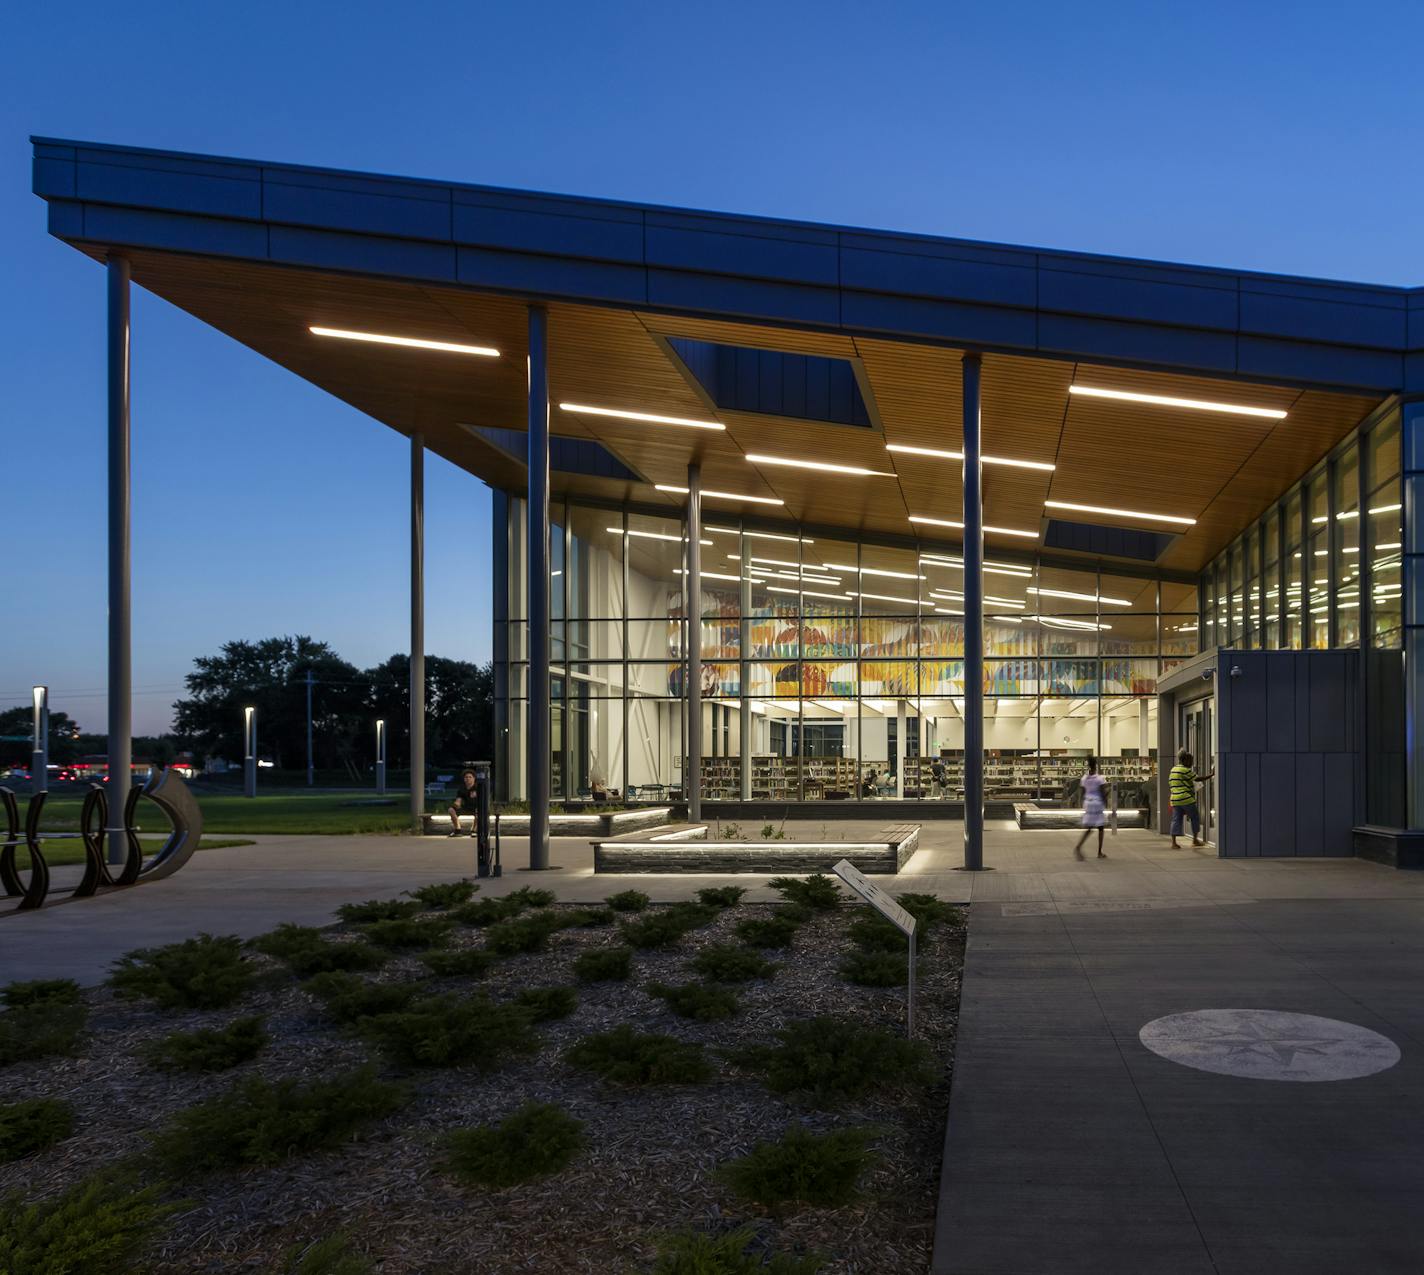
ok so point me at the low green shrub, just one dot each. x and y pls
(720, 896)
(628, 901)
(817, 891)
(261, 1122)
(465, 962)
(630, 1057)
(449, 1031)
(536, 1140)
(731, 1253)
(331, 1256)
(832, 1059)
(702, 1001)
(33, 1125)
(199, 973)
(665, 926)
(603, 965)
(876, 969)
(94, 1228)
(308, 952)
(521, 934)
(876, 934)
(528, 898)
(40, 1030)
(408, 934)
(771, 931)
(801, 1168)
(585, 918)
(544, 1004)
(210, 1048)
(349, 999)
(484, 912)
(444, 894)
(728, 963)
(378, 910)
(41, 991)
(928, 910)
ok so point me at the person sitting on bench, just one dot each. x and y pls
(467, 801)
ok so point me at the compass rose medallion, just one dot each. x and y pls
(1269, 1044)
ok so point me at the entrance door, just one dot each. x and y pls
(1198, 735)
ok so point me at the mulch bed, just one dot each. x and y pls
(653, 1150)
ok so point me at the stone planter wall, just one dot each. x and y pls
(689, 850)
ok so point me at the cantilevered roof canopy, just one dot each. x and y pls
(265, 253)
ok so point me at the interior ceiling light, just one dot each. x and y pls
(957, 564)
(1080, 597)
(881, 597)
(713, 575)
(998, 531)
(1167, 400)
(722, 495)
(775, 562)
(1120, 513)
(759, 535)
(653, 535)
(416, 343)
(756, 458)
(806, 593)
(988, 460)
(871, 571)
(1058, 622)
(651, 418)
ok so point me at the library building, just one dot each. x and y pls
(792, 517)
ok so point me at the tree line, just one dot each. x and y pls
(271, 676)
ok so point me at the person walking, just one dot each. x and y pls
(1094, 808)
(467, 801)
(1182, 783)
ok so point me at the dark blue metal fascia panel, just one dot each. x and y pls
(1319, 364)
(54, 176)
(1205, 304)
(1114, 341)
(940, 276)
(597, 281)
(542, 226)
(1276, 315)
(174, 232)
(744, 298)
(366, 254)
(735, 252)
(365, 212)
(947, 321)
(232, 193)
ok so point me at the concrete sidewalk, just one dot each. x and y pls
(1072, 1147)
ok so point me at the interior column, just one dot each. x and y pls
(973, 623)
(537, 560)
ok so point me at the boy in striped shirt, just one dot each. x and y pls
(1182, 782)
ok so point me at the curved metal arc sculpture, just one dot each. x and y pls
(165, 789)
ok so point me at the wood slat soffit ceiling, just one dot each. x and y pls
(1220, 469)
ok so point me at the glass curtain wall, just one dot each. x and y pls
(832, 669)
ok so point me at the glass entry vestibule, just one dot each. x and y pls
(832, 669)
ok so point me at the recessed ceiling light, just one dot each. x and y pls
(1079, 597)
(1167, 400)
(998, 531)
(756, 458)
(651, 418)
(417, 343)
(722, 495)
(1120, 513)
(988, 460)
(653, 535)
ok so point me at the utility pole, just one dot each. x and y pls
(311, 773)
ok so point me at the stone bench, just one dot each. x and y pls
(608, 824)
(1030, 816)
(687, 848)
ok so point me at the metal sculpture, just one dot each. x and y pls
(165, 789)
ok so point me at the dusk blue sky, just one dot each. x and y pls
(1269, 136)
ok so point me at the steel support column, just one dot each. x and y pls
(537, 562)
(417, 629)
(973, 623)
(694, 643)
(120, 624)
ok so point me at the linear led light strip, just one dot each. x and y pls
(1120, 513)
(713, 575)
(995, 531)
(988, 598)
(1058, 622)
(1167, 400)
(1355, 513)
(759, 535)
(653, 535)
(871, 571)
(988, 460)
(1079, 597)
(757, 458)
(720, 495)
(957, 564)
(883, 597)
(806, 593)
(648, 418)
(415, 343)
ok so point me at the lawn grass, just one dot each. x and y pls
(58, 853)
(336, 813)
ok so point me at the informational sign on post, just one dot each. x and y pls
(892, 912)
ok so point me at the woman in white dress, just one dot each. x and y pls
(1094, 808)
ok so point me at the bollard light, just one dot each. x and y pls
(39, 757)
(380, 756)
(249, 761)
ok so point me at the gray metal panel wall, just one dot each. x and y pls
(1288, 744)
